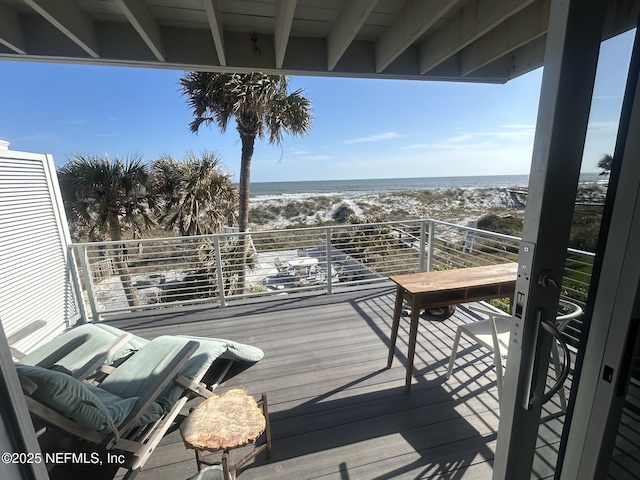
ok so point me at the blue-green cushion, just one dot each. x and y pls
(87, 405)
(236, 351)
(119, 408)
(101, 336)
(69, 397)
(133, 377)
(208, 351)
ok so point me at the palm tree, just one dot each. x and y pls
(110, 195)
(260, 104)
(197, 196)
(605, 163)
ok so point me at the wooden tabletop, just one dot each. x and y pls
(230, 420)
(460, 278)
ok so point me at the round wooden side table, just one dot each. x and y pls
(225, 422)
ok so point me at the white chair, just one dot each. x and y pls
(494, 332)
(283, 270)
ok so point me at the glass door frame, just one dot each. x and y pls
(605, 374)
(571, 55)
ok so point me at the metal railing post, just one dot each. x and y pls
(88, 283)
(219, 273)
(328, 249)
(431, 248)
(423, 244)
(72, 269)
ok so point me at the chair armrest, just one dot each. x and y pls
(162, 380)
(28, 385)
(62, 422)
(575, 311)
(199, 389)
(23, 333)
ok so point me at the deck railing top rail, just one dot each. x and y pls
(119, 276)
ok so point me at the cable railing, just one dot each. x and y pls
(457, 246)
(139, 274)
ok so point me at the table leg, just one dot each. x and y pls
(267, 426)
(228, 471)
(395, 325)
(199, 461)
(413, 334)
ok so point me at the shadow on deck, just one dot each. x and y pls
(336, 412)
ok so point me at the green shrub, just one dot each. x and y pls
(503, 224)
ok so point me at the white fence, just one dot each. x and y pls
(34, 239)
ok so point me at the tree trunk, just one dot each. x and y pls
(120, 263)
(243, 207)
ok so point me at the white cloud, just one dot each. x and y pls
(464, 137)
(374, 138)
(482, 139)
(603, 127)
(516, 131)
(317, 157)
(607, 97)
(298, 151)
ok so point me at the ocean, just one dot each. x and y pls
(351, 188)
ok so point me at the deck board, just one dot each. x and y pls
(336, 412)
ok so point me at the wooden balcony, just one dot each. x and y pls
(336, 411)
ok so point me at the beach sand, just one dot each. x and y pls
(456, 205)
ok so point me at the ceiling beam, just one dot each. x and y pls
(469, 24)
(350, 19)
(10, 31)
(527, 58)
(71, 20)
(145, 23)
(212, 8)
(622, 15)
(415, 18)
(522, 28)
(284, 19)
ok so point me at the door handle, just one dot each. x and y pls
(539, 400)
(531, 397)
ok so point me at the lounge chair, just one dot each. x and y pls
(130, 410)
(74, 352)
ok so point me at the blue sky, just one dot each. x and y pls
(361, 128)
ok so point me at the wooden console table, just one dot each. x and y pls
(446, 287)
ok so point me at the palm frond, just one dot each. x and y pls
(260, 105)
(105, 192)
(200, 196)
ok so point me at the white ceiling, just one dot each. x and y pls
(465, 40)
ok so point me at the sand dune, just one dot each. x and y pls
(454, 204)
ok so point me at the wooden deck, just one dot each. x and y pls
(336, 411)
